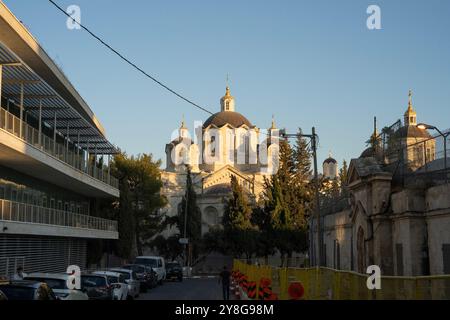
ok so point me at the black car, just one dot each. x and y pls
(27, 290)
(96, 287)
(145, 274)
(174, 270)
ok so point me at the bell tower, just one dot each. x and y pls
(410, 114)
(227, 102)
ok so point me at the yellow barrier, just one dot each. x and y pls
(325, 283)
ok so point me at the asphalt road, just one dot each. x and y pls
(189, 289)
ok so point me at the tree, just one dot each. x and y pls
(188, 208)
(239, 231)
(287, 199)
(343, 177)
(140, 200)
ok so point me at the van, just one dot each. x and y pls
(156, 263)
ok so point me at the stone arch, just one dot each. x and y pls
(211, 216)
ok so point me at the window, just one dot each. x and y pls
(213, 146)
(227, 105)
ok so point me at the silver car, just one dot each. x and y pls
(58, 283)
(131, 278)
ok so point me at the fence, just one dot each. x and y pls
(63, 152)
(325, 283)
(21, 212)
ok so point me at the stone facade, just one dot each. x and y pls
(402, 227)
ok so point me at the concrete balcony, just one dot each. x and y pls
(25, 219)
(27, 150)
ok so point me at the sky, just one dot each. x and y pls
(308, 63)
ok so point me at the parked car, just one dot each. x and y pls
(134, 285)
(96, 287)
(27, 290)
(117, 281)
(146, 275)
(58, 283)
(174, 270)
(156, 263)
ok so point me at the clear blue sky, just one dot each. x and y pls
(311, 63)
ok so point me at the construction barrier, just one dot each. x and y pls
(324, 283)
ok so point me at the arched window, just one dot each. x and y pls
(227, 105)
(213, 146)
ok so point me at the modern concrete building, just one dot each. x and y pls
(53, 160)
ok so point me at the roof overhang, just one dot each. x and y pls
(42, 77)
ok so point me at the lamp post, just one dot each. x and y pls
(424, 126)
(313, 137)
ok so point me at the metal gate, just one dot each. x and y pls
(40, 254)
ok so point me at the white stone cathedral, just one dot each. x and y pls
(226, 144)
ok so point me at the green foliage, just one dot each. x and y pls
(140, 201)
(169, 248)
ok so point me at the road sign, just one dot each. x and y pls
(184, 241)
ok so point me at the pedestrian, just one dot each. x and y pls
(224, 278)
(19, 275)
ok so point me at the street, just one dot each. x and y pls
(189, 289)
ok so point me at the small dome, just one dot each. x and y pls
(218, 189)
(412, 132)
(369, 152)
(330, 160)
(235, 119)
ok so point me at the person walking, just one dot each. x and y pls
(224, 278)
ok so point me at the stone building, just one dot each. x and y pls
(226, 144)
(397, 214)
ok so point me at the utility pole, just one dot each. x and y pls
(313, 137)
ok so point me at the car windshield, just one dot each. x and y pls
(18, 293)
(93, 281)
(124, 275)
(55, 284)
(147, 261)
(112, 279)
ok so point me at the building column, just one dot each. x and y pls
(40, 123)
(1, 77)
(21, 110)
(87, 156)
(78, 151)
(54, 136)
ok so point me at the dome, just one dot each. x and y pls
(412, 132)
(369, 152)
(235, 119)
(330, 160)
(218, 189)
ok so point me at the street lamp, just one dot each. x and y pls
(313, 137)
(424, 126)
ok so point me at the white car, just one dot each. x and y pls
(134, 285)
(117, 281)
(58, 283)
(156, 263)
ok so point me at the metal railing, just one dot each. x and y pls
(73, 158)
(27, 213)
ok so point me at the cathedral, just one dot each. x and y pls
(226, 144)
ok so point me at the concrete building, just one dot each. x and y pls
(397, 214)
(53, 160)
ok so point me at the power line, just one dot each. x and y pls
(132, 64)
(121, 56)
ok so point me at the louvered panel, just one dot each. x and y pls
(40, 254)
